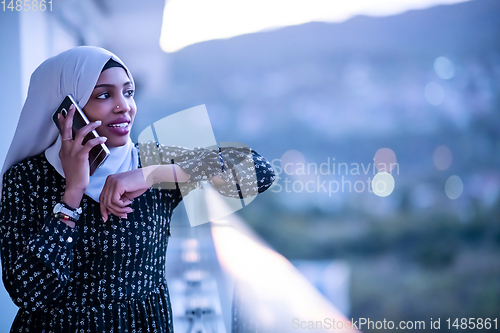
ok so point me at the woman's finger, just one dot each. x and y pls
(66, 124)
(104, 212)
(107, 210)
(92, 143)
(111, 198)
(118, 205)
(126, 200)
(119, 213)
(82, 132)
(115, 193)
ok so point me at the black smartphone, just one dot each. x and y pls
(98, 154)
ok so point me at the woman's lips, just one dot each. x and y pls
(119, 128)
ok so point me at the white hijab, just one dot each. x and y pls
(74, 72)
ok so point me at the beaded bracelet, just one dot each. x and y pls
(64, 217)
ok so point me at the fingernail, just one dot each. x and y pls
(98, 122)
(104, 138)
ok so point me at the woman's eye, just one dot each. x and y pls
(103, 96)
(129, 93)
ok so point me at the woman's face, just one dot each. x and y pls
(112, 102)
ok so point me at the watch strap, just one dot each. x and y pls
(76, 210)
(66, 210)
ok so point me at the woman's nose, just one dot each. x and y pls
(122, 105)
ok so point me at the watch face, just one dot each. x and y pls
(57, 208)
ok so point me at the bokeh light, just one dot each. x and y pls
(454, 187)
(444, 68)
(385, 160)
(190, 250)
(434, 93)
(442, 157)
(383, 184)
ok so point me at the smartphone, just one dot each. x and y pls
(98, 154)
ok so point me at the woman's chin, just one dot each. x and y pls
(117, 142)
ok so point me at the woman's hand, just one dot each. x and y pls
(121, 188)
(75, 157)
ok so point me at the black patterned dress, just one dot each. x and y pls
(101, 276)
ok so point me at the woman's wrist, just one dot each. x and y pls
(73, 197)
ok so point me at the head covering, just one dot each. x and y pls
(74, 72)
(111, 63)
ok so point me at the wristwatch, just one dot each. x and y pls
(63, 208)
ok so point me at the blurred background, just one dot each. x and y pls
(336, 95)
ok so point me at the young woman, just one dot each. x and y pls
(87, 253)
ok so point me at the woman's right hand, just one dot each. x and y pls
(75, 157)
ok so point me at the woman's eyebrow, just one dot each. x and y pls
(111, 85)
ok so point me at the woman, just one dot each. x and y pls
(87, 253)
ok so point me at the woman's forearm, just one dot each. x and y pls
(169, 173)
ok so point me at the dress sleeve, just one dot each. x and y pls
(244, 171)
(36, 257)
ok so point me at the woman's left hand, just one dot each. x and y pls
(121, 188)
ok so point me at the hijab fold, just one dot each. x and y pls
(74, 72)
